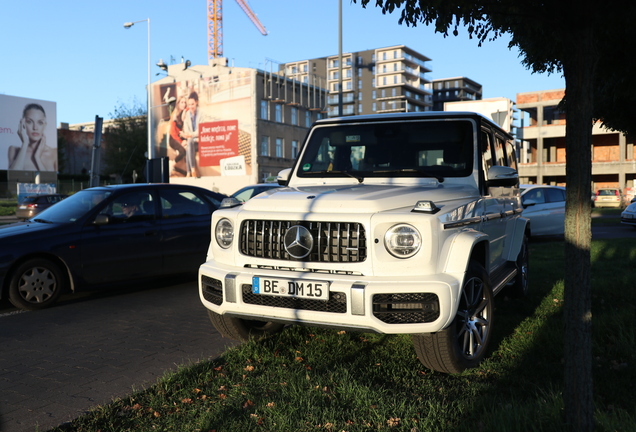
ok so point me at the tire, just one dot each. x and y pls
(519, 287)
(463, 344)
(242, 329)
(36, 284)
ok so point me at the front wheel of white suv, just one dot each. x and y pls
(463, 344)
(241, 329)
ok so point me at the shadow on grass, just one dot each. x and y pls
(307, 379)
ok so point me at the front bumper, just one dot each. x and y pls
(388, 305)
(628, 219)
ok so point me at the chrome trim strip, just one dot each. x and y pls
(462, 223)
(229, 286)
(357, 299)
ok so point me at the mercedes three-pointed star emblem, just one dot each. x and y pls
(298, 241)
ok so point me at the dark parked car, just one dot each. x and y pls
(105, 235)
(34, 204)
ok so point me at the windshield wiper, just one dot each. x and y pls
(347, 173)
(42, 221)
(421, 172)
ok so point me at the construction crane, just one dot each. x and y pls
(215, 25)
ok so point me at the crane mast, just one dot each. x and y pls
(215, 25)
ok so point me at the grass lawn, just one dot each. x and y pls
(7, 207)
(310, 379)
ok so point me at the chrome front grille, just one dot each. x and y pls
(333, 241)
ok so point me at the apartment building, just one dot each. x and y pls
(457, 89)
(374, 81)
(542, 136)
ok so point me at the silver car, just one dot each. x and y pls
(545, 207)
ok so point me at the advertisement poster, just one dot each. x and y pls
(203, 125)
(28, 134)
(217, 141)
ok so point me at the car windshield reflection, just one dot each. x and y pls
(74, 207)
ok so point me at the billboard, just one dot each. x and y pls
(28, 134)
(204, 125)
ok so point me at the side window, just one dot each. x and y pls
(554, 195)
(512, 155)
(535, 195)
(486, 151)
(500, 155)
(178, 204)
(131, 207)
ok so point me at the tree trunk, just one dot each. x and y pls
(578, 70)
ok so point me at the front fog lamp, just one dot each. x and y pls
(224, 233)
(402, 241)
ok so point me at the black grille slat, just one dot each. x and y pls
(337, 302)
(333, 241)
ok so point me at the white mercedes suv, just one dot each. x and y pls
(397, 223)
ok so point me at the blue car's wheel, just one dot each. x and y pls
(36, 284)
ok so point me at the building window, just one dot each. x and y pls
(359, 108)
(374, 107)
(307, 118)
(373, 94)
(264, 110)
(359, 84)
(294, 149)
(383, 91)
(265, 146)
(294, 116)
(279, 147)
(279, 113)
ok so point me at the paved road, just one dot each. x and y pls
(57, 363)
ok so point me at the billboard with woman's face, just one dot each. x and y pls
(28, 134)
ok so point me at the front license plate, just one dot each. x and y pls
(22, 207)
(300, 288)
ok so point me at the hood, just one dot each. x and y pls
(24, 228)
(361, 198)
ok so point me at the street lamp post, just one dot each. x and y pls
(151, 150)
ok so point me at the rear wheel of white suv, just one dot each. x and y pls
(463, 344)
(243, 329)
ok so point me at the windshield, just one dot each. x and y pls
(73, 207)
(423, 148)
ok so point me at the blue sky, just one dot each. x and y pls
(78, 54)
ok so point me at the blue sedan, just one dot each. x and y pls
(105, 235)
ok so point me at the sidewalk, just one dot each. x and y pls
(8, 219)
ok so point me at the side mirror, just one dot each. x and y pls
(230, 202)
(283, 177)
(502, 176)
(101, 219)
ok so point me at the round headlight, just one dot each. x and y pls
(402, 241)
(224, 233)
